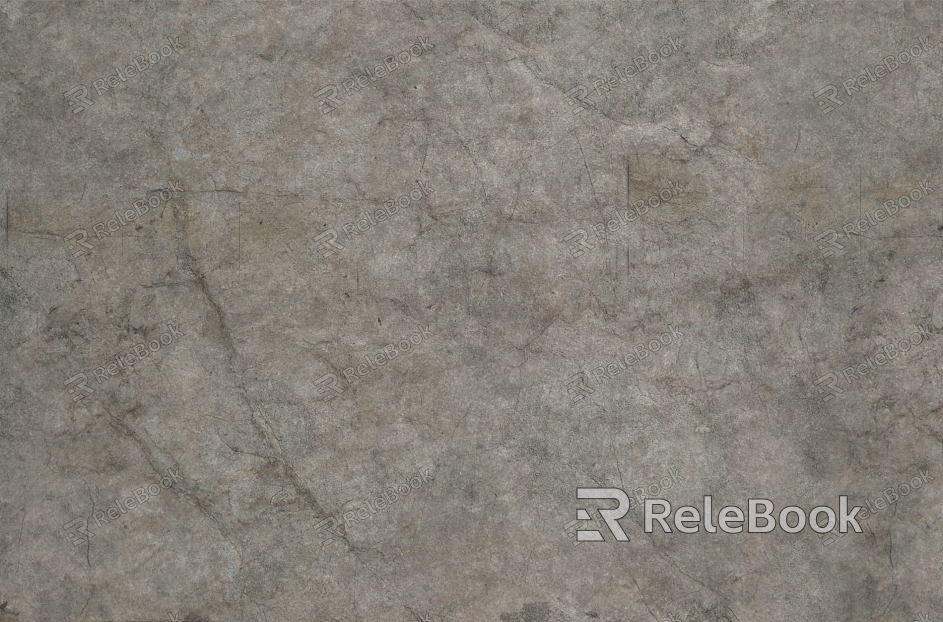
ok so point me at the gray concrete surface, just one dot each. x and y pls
(212, 178)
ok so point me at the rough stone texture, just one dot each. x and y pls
(237, 403)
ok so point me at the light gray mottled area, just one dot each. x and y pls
(481, 406)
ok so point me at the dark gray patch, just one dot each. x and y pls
(531, 612)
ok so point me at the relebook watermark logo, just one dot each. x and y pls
(687, 519)
(79, 382)
(672, 478)
(326, 241)
(80, 236)
(141, 494)
(889, 496)
(882, 357)
(78, 96)
(889, 64)
(640, 63)
(327, 386)
(328, 526)
(328, 96)
(576, 386)
(888, 208)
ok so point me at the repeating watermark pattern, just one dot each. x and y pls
(672, 478)
(327, 385)
(79, 388)
(576, 386)
(577, 95)
(665, 482)
(576, 99)
(889, 496)
(140, 496)
(78, 96)
(829, 93)
(328, 527)
(889, 208)
(328, 96)
(326, 241)
(141, 207)
(174, 617)
(827, 385)
(576, 239)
